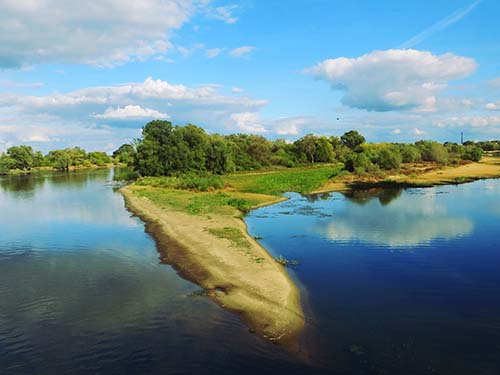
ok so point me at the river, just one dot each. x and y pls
(393, 282)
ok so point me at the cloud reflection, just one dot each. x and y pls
(408, 221)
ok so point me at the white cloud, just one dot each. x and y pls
(242, 51)
(131, 112)
(470, 121)
(237, 90)
(213, 52)
(223, 13)
(102, 33)
(14, 85)
(248, 122)
(418, 132)
(78, 117)
(393, 79)
(493, 106)
(396, 131)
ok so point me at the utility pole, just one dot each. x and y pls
(462, 138)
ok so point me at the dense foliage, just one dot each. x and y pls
(24, 158)
(168, 150)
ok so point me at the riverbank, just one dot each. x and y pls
(35, 170)
(215, 251)
(418, 175)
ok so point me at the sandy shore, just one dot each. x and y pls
(243, 279)
(488, 167)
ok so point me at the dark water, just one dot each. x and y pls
(397, 282)
(83, 291)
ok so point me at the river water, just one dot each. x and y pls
(393, 282)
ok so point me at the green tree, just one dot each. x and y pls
(307, 146)
(125, 154)
(23, 156)
(352, 139)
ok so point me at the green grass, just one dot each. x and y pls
(243, 192)
(234, 235)
(184, 182)
(300, 180)
(202, 203)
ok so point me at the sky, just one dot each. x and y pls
(93, 73)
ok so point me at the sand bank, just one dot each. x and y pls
(217, 254)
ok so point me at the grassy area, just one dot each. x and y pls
(241, 192)
(234, 235)
(301, 180)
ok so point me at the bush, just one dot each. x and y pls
(126, 174)
(473, 153)
(359, 163)
(184, 182)
(389, 158)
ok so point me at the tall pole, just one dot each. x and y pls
(462, 137)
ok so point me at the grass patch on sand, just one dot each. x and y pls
(234, 235)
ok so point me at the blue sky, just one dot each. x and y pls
(94, 73)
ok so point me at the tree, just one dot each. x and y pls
(324, 151)
(307, 145)
(352, 139)
(125, 154)
(389, 158)
(23, 156)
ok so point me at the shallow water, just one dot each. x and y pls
(395, 281)
(83, 291)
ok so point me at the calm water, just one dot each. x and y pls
(396, 281)
(83, 291)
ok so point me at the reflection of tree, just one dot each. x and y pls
(318, 197)
(384, 195)
(21, 184)
(27, 184)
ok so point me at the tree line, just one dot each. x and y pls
(25, 158)
(167, 150)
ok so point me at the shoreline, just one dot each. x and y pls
(487, 168)
(245, 280)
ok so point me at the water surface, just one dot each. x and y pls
(396, 281)
(83, 291)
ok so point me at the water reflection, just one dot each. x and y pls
(384, 218)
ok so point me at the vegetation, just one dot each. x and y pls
(24, 158)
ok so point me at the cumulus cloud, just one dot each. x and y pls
(248, 122)
(393, 79)
(131, 112)
(96, 116)
(494, 106)
(102, 33)
(242, 51)
(418, 132)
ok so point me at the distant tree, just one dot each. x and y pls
(324, 151)
(6, 163)
(433, 151)
(352, 139)
(98, 158)
(125, 154)
(473, 153)
(389, 158)
(307, 146)
(23, 156)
